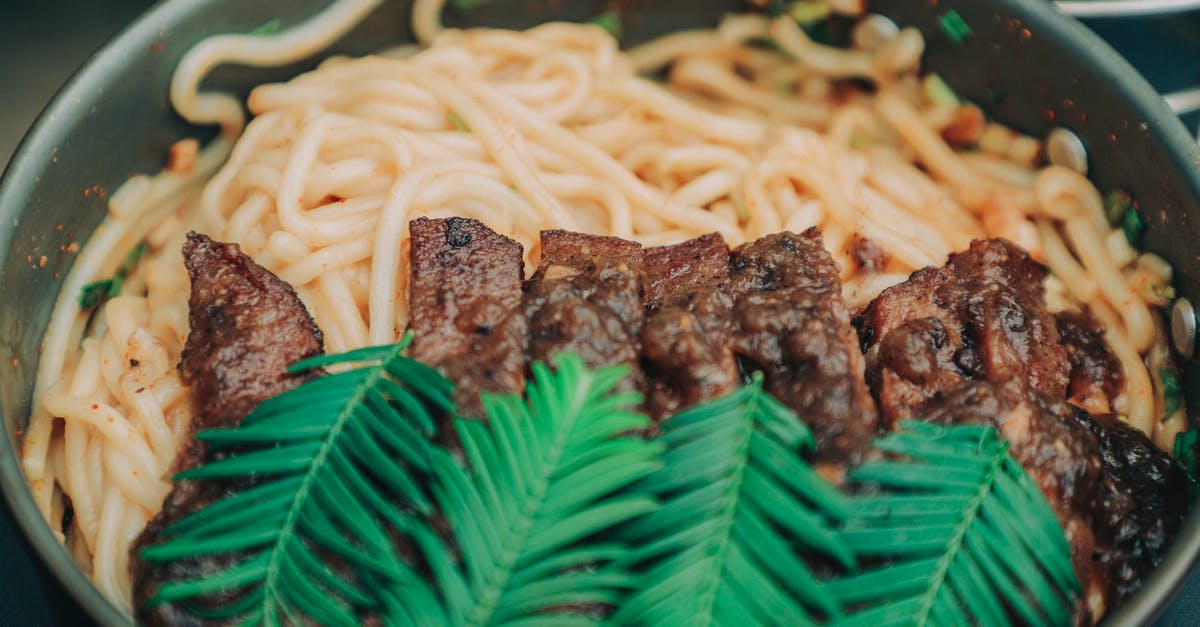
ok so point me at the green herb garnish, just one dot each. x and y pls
(610, 21)
(965, 536)
(1172, 390)
(96, 293)
(809, 12)
(269, 27)
(938, 92)
(1116, 204)
(954, 26)
(351, 504)
(1133, 226)
(741, 511)
(349, 462)
(458, 122)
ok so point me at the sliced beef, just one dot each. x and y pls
(981, 316)
(465, 298)
(247, 328)
(586, 298)
(1142, 502)
(791, 324)
(687, 341)
(1096, 376)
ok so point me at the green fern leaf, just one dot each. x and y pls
(335, 458)
(963, 534)
(742, 513)
(544, 482)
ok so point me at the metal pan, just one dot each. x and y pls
(1029, 66)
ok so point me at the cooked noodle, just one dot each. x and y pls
(553, 127)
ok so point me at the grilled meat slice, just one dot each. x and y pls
(1096, 376)
(1142, 502)
(687, 341)
(790, 323)
(247, 328)
(465, 294)
(981, 316)
(586, 298)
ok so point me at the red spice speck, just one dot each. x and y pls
(95, 407)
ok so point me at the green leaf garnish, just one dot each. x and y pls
(742, 511)
(1133, 226)
(954, 26)
(962, 531)
(809, 12)
(350, 464)
(937, 91)
(337, 457)
(1116, 204)
(269, 27)
(610, 21)
(96, 293)
(1172, 389)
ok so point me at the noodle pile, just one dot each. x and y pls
(553, 127)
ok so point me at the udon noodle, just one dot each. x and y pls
(553, 127)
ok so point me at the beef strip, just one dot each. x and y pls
(687, 337)
(247, 328)
(586, 298)
(791, 324)
(1142, 502)
(465, 295)
(981, 316)
(1096, 376)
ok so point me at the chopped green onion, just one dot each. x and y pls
(610, 21)
(1116, 203)
(954, 26)
(937, 91)
(809, 12)
(269, 27)
(1133, 226)
(858, 140)
(1172, 390)
(96, 293)
(458, 122)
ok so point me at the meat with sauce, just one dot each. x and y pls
(586, 298)
(1095, 377)
(973, 342)
(465, 296)
(1142, 502)
(981, 316)
(791, 324)
(247, 328)
(687, 343)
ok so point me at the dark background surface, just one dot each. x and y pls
(43, 41)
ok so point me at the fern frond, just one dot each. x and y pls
(544, 481)
(965, 536)
(742, 513)
(334, 459)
